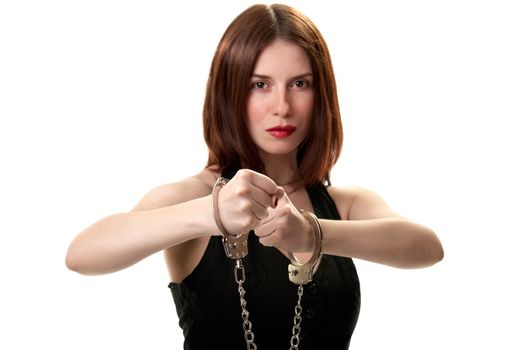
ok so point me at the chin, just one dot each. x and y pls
(278, 151)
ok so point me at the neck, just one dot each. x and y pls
(283, 169)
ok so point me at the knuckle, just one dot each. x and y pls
(248, 221)
(264, 214)
(244, 206)
(241, 190)
(244, 173)
(286, 213)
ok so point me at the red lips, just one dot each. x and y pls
(281, 131)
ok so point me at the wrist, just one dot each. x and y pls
(301, 273)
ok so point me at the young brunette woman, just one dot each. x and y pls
(259, 244)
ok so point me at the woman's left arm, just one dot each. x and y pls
(370, 230)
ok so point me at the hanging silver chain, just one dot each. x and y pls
(239, 276)
(295, 339)
(236, 248)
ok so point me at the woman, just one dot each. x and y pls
(273, 128)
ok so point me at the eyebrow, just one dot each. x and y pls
(299, 76)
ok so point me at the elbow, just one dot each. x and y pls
(435, 249)
(421, 249)
(75, 262)
(430, 251)
(72, 261)
(432, 256)
(439, 253)
(85, 252)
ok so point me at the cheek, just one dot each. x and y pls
(304, 107)
(254, 110)
(253, 116)
(306, 111)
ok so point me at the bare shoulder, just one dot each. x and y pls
(196, 186)
(358, 203)
(343, 198)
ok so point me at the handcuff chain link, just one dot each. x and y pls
(239, 276)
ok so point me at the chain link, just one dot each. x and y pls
(239, 276)
(295, 339)
(236, 248)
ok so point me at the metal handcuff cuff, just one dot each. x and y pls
(235, 247)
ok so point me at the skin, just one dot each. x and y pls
(281, 93)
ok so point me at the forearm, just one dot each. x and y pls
(390, 241)
(121, 240)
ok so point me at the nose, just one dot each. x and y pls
(281, 103)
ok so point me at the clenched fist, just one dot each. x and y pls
(285, 227)
(245, 200)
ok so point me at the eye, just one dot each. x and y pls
(259, 85)
(302, 83)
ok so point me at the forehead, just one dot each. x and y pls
(282, 58)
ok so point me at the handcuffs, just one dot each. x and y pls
(235, 246)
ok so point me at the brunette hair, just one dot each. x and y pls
(224, 112)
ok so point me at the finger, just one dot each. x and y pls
(267, 241)
(264, 231)
(269, 218)
(264, 212)
(265, 183)
(261, 197)
(258, 210)
(280, 192)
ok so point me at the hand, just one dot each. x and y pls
(285, 227)
(244, 201)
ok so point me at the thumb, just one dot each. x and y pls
(278, 196)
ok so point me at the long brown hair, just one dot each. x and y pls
(224, 112)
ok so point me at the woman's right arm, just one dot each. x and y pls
(165, 217)
(168, 216)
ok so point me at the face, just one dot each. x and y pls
(281, 98)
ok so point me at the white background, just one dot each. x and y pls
(100, 101)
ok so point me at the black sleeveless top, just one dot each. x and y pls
(208, 305)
